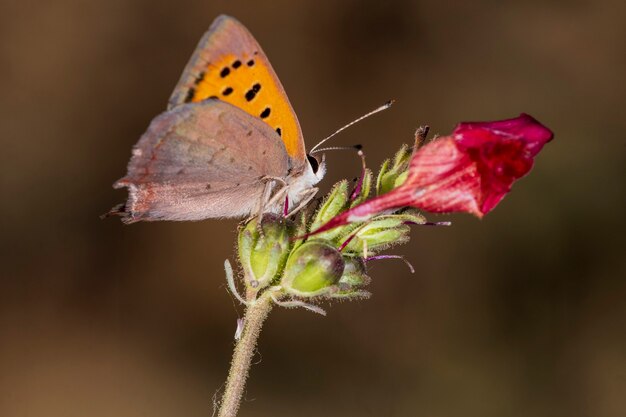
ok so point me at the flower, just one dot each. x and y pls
(469, 171)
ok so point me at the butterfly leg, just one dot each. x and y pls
(277, 179)
(307, 197)
(265, 196)
(267, 200)
(279, 195)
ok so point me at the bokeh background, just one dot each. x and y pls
(520, 314)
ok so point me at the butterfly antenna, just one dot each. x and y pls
(340, 148)
(379, 109)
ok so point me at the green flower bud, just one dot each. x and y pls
(393, 174)
(313, 269)
(335, 203)
(383, 231)
(373, 239)
(263, 250)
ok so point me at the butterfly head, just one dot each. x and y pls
(304, 180)
(317, 166)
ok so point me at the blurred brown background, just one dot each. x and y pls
(521, 314)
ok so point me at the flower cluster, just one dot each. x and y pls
(325, 255)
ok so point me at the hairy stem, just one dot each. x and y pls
(255, 315)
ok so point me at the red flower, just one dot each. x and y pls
(468, 171)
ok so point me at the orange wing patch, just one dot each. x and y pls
(229, 64)
(247, 83)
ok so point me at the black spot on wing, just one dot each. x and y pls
(236, 64)
(250, 63)
(265, 113)
(227, 91)
(225, 71)
(279, 131)
(252, 92)
(199, 78)
(190, 93)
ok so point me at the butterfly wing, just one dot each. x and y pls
(229, 64)
(201, 160)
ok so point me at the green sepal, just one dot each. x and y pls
(383, 232)
(390, 172)
(301, 229)
(402, 157)
(408, 215)
(400, 178)
(372, 239)
(334, 203)
(351, 295)
(354, 274)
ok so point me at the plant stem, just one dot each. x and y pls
(255, 315)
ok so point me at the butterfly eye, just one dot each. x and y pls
(313, 162)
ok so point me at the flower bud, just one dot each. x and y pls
(384, 231)
(263, 250)
(373, 238)
(393, 174)
(312, 269)
(334, 203)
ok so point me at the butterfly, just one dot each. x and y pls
(229, 143)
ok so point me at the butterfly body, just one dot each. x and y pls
(228, 142)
